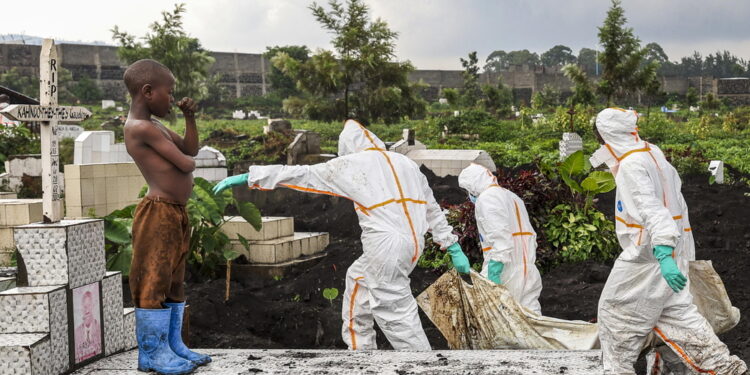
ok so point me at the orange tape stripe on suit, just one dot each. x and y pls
(682, 353)
(400, 191)
(316, 191)
(351, 312)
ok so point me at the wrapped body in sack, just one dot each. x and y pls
(484, 315)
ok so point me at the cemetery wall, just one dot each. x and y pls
(246, 73)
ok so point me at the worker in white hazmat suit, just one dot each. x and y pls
(395, 207)
(647, 291)
(507, 238)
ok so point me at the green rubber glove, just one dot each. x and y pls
(675, 279)
(239, 180)
(459, 259)
(494, 270)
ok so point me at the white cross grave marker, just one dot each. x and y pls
(49, 114)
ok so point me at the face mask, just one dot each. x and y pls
(473, 199)
(603, 156)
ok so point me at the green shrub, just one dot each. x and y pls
(576, 235)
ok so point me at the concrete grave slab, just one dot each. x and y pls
(283, 361)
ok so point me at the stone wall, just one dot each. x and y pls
(246, 73)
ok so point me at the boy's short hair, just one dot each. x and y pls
(143, 72)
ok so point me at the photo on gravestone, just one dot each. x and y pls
(87, 322)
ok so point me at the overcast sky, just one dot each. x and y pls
(433, 34)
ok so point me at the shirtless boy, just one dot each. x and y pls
(161, 231)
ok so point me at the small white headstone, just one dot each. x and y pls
(716, 167)
(456, 113)
(443, 101)
(119, 109)
(108, 104)
(238, 114)
(570, 143)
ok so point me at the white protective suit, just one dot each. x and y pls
(636, 300)
(506, 235)
(395, 207)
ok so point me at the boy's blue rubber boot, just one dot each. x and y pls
(175, 336)
(154, 353)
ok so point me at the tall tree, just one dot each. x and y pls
(471, 91)
(168, 43)
(282, 84)
(362, 64)
(496, 61)
(654, 52)
(583, 93)
(558, 55)
(623, 70)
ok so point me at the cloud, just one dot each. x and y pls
(433, 34)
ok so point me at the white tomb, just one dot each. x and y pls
(451, 162)
(570, 143)
(93, 147)
(239, 114)
(210, 164)
(108, 104)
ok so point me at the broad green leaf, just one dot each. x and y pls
(124, 213)
(250, 213)
(120, 261)
(209, 244)
(330, 293)
(605, 180)
(143, 192)
(574, 164)
(244, 242)
(207, 205)
(230, 255)
(117, 232)
(590, 185)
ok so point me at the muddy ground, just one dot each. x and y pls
(292, 313)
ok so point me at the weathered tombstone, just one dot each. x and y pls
(61, 267)
(716, 167)
(570, 143)
(108, 104)
(277, 125)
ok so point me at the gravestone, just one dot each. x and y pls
(716, 167)
(570, 143)
(108, 104)
(277, 125)
(67, 310)
(239, 115)
(210, 164)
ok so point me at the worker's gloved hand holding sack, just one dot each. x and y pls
(459, 259)
(675, 279)
(494, 270)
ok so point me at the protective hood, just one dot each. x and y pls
(476, 179)
(618, 127)
(355, 138)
